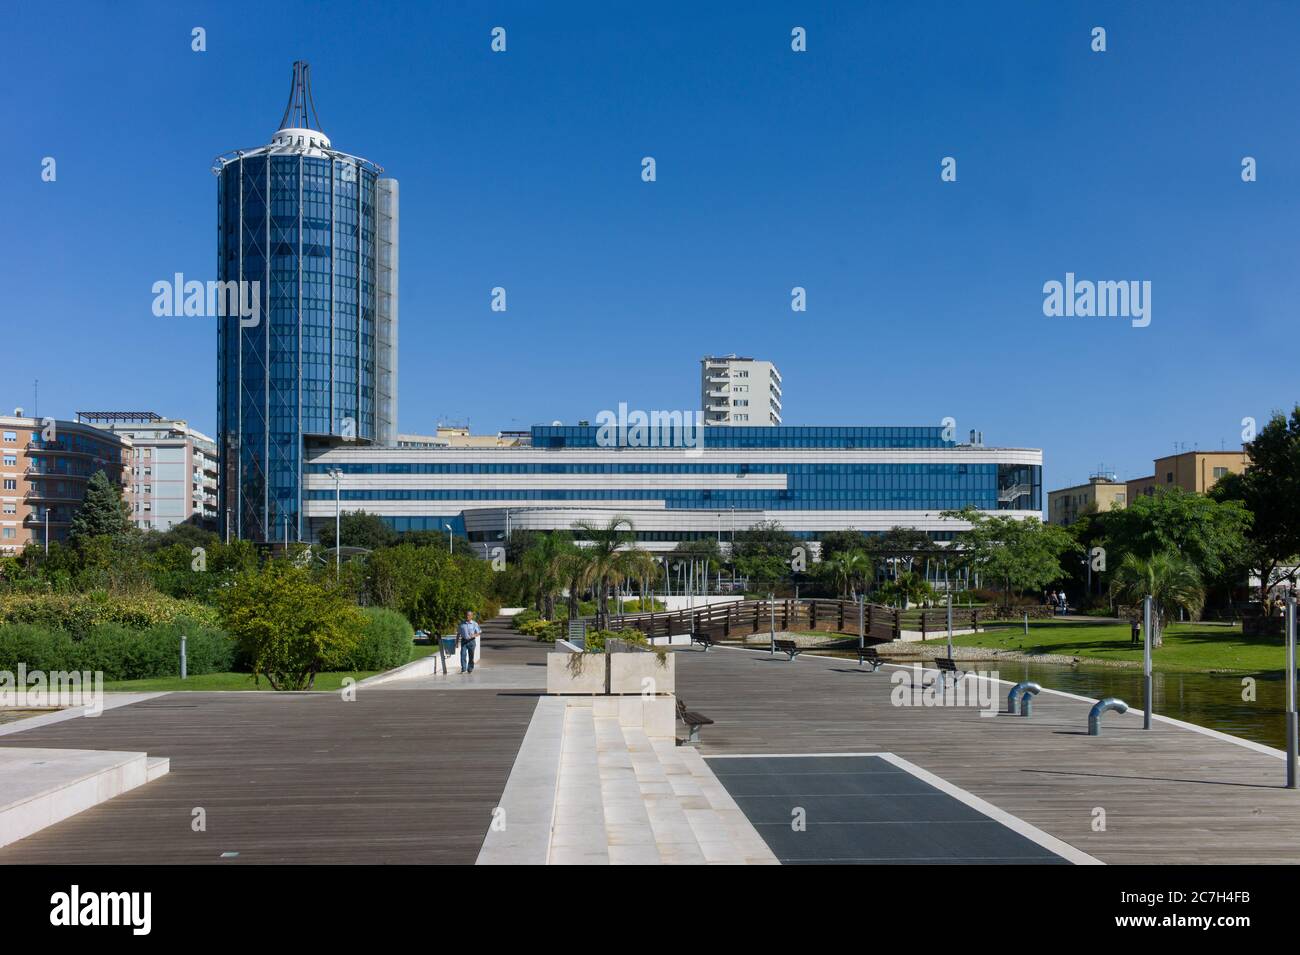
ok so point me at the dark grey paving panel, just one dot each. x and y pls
(865, 810)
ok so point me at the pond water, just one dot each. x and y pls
(1212, 700)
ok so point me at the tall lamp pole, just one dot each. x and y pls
(448, 526)
(337, 475)
(1291, 726)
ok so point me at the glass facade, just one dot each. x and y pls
(302, 224)
(755, 436)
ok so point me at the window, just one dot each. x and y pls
(1219, 472)
(1169, 477)
(12, 459)
(10, 533)
(10, 508)
(11, 436)
(11, 484)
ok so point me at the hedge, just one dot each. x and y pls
(119, 652)
(386, 642)
(79, 613)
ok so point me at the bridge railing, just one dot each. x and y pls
(737, 620)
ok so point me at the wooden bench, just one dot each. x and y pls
(871, 656)
(703, 639)
(692, 720)
(945, 665)
(789, 648)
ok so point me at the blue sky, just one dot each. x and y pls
(775, 169)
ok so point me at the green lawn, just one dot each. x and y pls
(1187, 646)
(221, 681)
(241, 681)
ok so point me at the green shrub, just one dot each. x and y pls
(523, 617)
(288, 626)
(119, 652)
(595, 639)
(386, 641)
(78, 613)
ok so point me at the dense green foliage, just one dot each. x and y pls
(385, 641)
(1270, 490)
(289, 627)
(120, 652)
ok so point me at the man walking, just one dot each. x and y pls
(468, 633)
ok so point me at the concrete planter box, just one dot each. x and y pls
(639, 673)
(588, 677)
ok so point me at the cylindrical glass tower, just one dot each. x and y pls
(316, 230)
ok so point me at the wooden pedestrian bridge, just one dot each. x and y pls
(735, 621)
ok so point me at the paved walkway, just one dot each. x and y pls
(396, 776)
(1174, 794)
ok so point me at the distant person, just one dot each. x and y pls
(468, 634)
(1065, 604)
(1051, 601)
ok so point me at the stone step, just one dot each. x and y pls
(39, 787)
(629, 798)
(578, 831)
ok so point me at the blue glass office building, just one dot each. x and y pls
(316, 230)
(810, 479)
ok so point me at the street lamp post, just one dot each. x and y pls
(448, 526)
(337, 475)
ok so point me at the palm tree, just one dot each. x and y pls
(850, 568)
(638, 565)
(602, 558)
(1170, 579)
(544, 566)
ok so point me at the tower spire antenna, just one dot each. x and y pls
(300, 113)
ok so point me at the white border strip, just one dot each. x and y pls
(983, 806)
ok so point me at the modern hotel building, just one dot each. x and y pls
(316, 229)
(810, 479)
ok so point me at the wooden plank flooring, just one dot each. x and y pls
(1170, 795)
(407, 776)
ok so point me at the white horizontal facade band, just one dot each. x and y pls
(366, 455)
(534, 482)
(489, 515)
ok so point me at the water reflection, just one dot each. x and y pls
(1212, 700)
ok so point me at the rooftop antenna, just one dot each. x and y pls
(301, 111)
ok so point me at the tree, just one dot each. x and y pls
(359, 529)
(851, 571)
(1209, 533)
(899, 546)
(288, 626)
(601, 558)
(544, 564)
(1270, 490)
(1020, 554)
(102, 513)
(764, 551)
(1170, 579)
(841, 542)
(428, 586)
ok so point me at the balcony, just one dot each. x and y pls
(67, 497)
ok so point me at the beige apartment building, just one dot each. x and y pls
(45, 465)
(1101, 493)
(1193, 471)
(458, 436)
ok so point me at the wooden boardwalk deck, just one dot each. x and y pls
(1170, 795)
(398, 776)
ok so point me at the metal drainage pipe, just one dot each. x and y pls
(1100, 707)
(1024, 692)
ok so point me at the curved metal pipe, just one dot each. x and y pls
(1103, 706)
(1021, 692)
